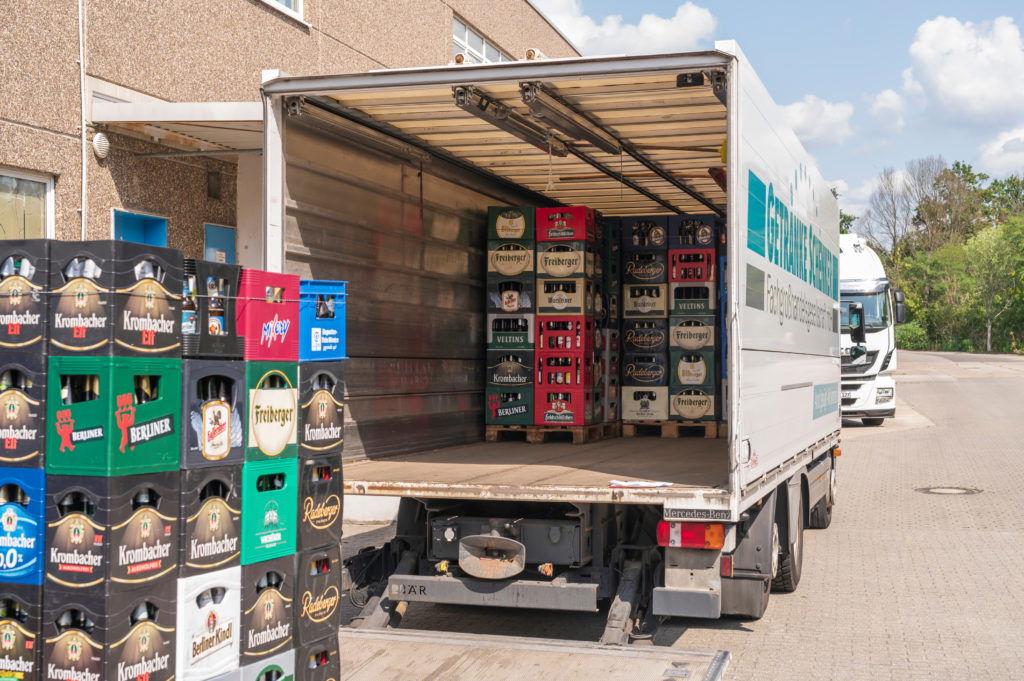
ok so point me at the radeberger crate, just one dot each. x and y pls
(318, 661)
(320, 501)
(645, 336)
(317, 594)
(650, 369)
(645, 267)
(24, 294)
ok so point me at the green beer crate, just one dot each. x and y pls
(270, 501)
(273, 410)
(113, 415)
(509, 406)
(691, 368)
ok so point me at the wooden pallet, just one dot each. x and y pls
(709, 429)
(538, 434)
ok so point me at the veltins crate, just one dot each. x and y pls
(279, 667)
(107, 636)
(213, 410)
(115, 298)
(320, 501)
(318, 661)
(563, 407)
(22, 491)
(692, 367)
(509, 406)
(209, 316)
(692, 231)
(510, 258)
(510, 331)
(322, 320)
(211, 519)
(24, 286)
(113, 415)
(693, 404)
(510, 222)
(209, 609)
(644, 232)
(111, 534)
(273, 410)
(268, 315)
(23, 408)
(644, 403)
(321, 407)
(268, 608)
(642, 336)
(692, 332)
(269, 503)
(21, 621)
(691, 298)
(567, 223)
(317, 594)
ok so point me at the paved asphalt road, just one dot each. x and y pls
(904, 585)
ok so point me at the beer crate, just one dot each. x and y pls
(613, 339)
(213, 408)
(22, 530)
(270, 498)
(691, 298)
(562, 297)
(97, 635)
(644, 300)
(21, 622)
(322, 320)
(558, 406)
(692, 367)
(511, 222)
(320, 501)
(723, 328)
(573, 333)
(691, 264)
(24, 294)
(112, 534)
(645, 336)
(113, 415)
(321, 408)
(272, 403)
(210, 520)
(511, 295)
(115, 298)
(511, 331)
(693, 231)
(318, 661)
(558, 371)
(267, 315)
(509, 406)
(279, 667)
(649, 369)
(209, 610)
(644, 403)
(507, 258)
(567, 223)
(693, 404)
(317, 594)
(268, 608)
(208, 310)
(693, 332)
(644, 232)
(509, 369)
(645, 267)
(567, 259)
(23, 404)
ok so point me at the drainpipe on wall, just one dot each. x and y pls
(84, 209)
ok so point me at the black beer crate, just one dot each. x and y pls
(317, 594)
(115, 298)
(318, 661)
(24, 287)
(268, 608)
(510, 369)
(644, 232)
(211, 332)
(213, 411)
(320, 501)
(23, 403)
(693, 231)
(511, 295)
(211, 519)
(642, 336)
(21, 623)
(645, 267)
(645, 370)
(321, 407)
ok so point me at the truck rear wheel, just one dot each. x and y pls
(821, 514)
(791, 561)
(872, 420)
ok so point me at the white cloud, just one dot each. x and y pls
(818, 121)
(689, 28)
(887, 108)
(854, 201)
(1003, 154)
(967, 71)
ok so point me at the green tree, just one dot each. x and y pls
(995, 267)
(1004, 199)
(846, 220)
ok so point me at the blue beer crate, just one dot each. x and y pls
(321, 320)
(22, 525)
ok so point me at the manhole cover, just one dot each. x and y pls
(948, 490)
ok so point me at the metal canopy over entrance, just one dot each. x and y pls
(665, 115)
(200, 128)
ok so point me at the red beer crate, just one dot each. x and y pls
(563, 334)
(569, 223)
(565, 370)
(691, 264)
(268, 315)
(560, 406)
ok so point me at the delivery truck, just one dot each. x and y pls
(384, 178)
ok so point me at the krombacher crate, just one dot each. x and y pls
(279, 667)
(95, 635)
(510, 258)
(209, 610)
(268, 611)
(692, 332)
(115, 298)
(567, 259)
(270, 498)
(210, 330)
(511, 222)
(111, 533)
(24, 286)
(22, 491)
(317, 594)
(510, 331)
(318, 661)
(273, 410)
(211, 519)
(320, 501)
(23, 405)
(692, 367)
(510, 369)
(693, 404)
(213, 409)
(321, 408)
(113, 415)
(21, 621)
(509, 406)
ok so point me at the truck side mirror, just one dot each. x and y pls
(901, 313)
(857, 323)
(898, 295)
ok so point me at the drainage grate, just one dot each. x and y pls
(948, 490)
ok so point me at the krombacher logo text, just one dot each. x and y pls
(55, 672)
(75, 558)
(16, 664)
(22, 433)
(257, 639)
(322, 515)
(321, 432)
(212, 547)
(144, 553)
(142, 668)
(25, 318)
(320, 608)
(158, 325)
(93, 321)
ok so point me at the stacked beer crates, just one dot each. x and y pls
(609, 236)
(511, 316)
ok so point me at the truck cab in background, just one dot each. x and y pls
(868, 353)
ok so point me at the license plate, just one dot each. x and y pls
(849, 394)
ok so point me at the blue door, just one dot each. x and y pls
(220, 244)
(143, 229)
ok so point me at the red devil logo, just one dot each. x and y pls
(125, 416)
(493, 402)
(65, 426)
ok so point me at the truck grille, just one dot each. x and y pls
(860, 368)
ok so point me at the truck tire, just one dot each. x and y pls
(872, 420)
(821, 514)
(791, 561)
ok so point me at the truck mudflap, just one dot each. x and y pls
(557, 594)
(428, 655)
(674, 602)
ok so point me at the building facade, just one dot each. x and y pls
(72, 69)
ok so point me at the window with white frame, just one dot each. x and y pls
(292, 8)
(476, 48)
(26, 205)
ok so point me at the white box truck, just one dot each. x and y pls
(383, 179)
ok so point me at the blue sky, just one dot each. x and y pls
(867, 84)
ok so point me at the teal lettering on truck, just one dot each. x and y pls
(776, 233)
